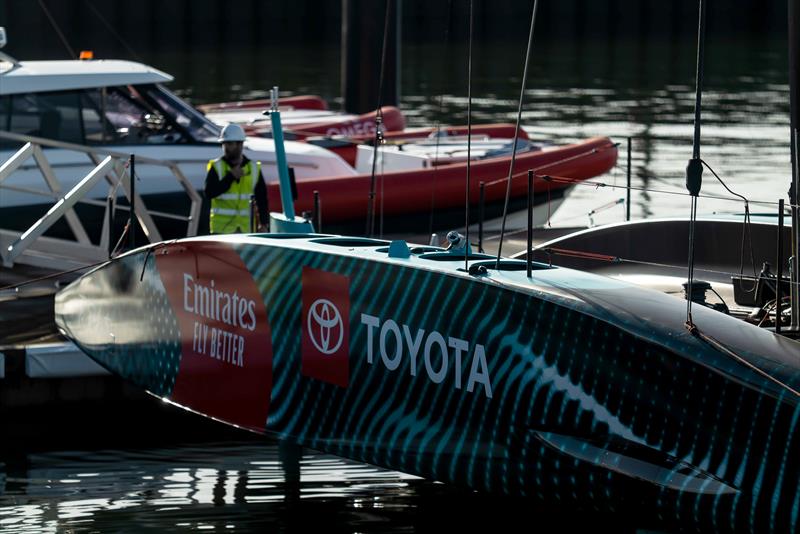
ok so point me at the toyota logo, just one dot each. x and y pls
(325, 328)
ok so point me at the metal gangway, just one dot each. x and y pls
(32, 247)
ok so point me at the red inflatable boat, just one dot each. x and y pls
(344, 199)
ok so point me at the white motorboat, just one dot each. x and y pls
(121, 106)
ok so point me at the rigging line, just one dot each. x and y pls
(516, 132)
(554, 251)
(469, 136)
(722, 348)
(57, 29)
(701, 37)
(378, 125)
(747, 234)
(619, 259)
(113, 195)
(694, 169)
(653, 178)
(573, 253)
(579, 181)
(793, 274)
(433, 178)
(707, 166)
(538, 170)
(110, 28)
(773, 305)
(120, 178)
(693, 218)
(438, 128)
(383, 195)
(156, 246)
(52, 275)
(746, 230)
(121, 240)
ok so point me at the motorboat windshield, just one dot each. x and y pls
(192, 121)
(119, 115)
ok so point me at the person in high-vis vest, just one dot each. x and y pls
(230, 181)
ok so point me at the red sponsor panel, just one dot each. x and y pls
(226, 357)
(326, 326)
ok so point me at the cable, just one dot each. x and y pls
(538, 170)
(469, 137)
(378, 126)
(722, 348)
(64, 41)
(516, 132)
(694, 170)
(110, 28)
(592, 183)
(692, 220)
(122, 236)
(746, 231)
(383, 195)
(52, 275)
(619, 259)
(438, 128)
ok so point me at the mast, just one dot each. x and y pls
(794, 101)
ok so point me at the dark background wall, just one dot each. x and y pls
(153, 25)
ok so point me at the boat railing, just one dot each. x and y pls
(32, 247)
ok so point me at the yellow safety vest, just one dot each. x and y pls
(230, 212)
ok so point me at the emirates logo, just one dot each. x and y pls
(325, 328)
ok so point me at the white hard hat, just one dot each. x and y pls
(231, 133)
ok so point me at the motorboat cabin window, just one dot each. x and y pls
(94, 116)
(98, 130)
(129, 118)
(127, 115)
(150, 114)
(49, 115)
(189, 119)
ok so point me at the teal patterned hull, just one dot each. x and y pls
(567, 388)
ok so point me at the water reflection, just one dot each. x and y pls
(226, 485)
(244, 486)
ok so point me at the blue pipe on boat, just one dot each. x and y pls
(280, 156)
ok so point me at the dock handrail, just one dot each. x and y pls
(111, 165)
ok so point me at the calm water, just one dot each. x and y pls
(629, 88)
(634, 88)
(246, 485)
(225, 486)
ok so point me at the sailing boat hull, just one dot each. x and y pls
(564, 389)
